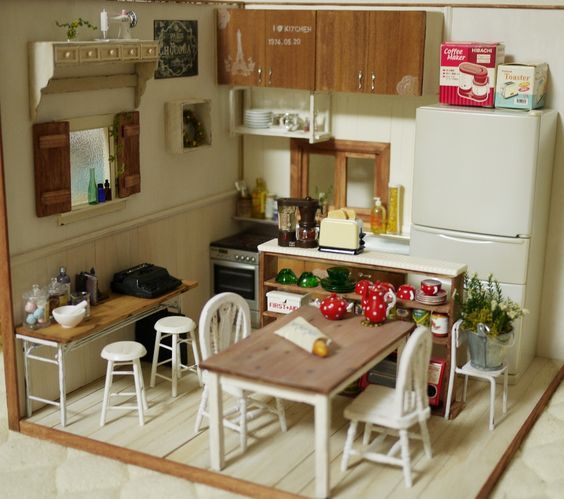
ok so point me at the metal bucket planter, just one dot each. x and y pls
(488, 352)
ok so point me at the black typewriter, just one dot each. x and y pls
(145, 281)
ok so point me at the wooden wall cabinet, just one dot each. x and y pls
(379, 52)
(266, 48)
(382, 266)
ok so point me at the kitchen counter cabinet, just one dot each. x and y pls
(266, 48)
(378, 52)
(388, 267)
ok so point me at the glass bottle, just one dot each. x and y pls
(35, 308)
(57, 295)
(92, 188)
(101, 193)
(378, 217)
(107, 190)
(64, 279)
(259, 199)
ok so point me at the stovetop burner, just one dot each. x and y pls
(244, 241)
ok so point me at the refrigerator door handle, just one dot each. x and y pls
(464, 240)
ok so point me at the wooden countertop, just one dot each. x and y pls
(115, 309)
(370, 257)
(269, 358)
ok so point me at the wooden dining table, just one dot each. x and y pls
(267, 363)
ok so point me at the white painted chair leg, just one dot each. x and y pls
(492, 403)
(449, 393)
(351, 433)
(505, 389)
(196, 354)
(105, 400)
(243, 423)
(465, 389)
(143, 391)
(201, 409)
(367, 433)
(155, 359)
(404, 439)
(174, 373)
(138, 390)
(281, 414)
(426, 438)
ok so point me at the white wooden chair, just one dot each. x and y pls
(458, 338)
(394, 411)
(225, 320)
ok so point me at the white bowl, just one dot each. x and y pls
(69, 315)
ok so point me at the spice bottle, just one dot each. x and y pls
(378, 217)
(394, 209)
(259, 199)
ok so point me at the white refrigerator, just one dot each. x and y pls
(481, 189)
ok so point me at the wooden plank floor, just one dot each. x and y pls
(464, 450)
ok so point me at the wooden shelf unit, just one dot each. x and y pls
(381, 266)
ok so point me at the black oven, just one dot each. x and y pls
(235, 267)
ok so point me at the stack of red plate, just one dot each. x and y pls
(438, 299)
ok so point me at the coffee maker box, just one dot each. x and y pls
(467, 74)
(521, 86)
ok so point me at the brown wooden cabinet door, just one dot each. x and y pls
(240, 47)
(396, 47)
(341, 39)
(290, 49)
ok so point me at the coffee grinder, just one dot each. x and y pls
(287, 211)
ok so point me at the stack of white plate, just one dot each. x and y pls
(258, 118)
(438, 299)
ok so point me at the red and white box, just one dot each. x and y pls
(467, 75)
(284, 302)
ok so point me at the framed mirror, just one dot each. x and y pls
(354, 172)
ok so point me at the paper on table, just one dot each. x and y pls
(302, 333)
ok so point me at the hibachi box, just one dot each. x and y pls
(283, 302)
(521, 86)
(467, 74)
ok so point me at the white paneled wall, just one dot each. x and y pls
(178, 242)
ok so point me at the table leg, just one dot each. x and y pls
(62, 385)
(27, 347)
(215, 411)
(322, 427)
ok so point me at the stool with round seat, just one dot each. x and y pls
(119, 354)
(173, 326)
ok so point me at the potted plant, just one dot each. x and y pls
(487, 317)
(72, 27)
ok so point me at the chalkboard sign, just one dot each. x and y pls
(178, 48)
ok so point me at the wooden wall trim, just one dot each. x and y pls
(7, 336)
(30, 256)
(154, 463)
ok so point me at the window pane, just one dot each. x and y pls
(321, 174)
(360, 182)
(88, 149)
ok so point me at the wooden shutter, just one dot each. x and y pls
(129, 175)
(51, 150)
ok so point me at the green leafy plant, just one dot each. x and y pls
(483, 302)
(72, 27)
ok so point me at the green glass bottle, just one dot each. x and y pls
(92, 188)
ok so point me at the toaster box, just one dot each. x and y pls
(284, 302)
(521, 86)
(467, 74)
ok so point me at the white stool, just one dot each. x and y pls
(118, 354)
(174, 326)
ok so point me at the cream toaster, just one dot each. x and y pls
(338, 235)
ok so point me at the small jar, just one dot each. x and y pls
(439, 324)
(307, 236)
(35, 308)
(421, 317)
(57, 295)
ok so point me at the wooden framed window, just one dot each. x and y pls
(52, 162)
(355, 172)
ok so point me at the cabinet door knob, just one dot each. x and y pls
(90, 53)
(150, 51)
(259, 71)
(269, 76)
(131, 51)
(360, 80)
(112, 51)
(67, 55)
(373, 82)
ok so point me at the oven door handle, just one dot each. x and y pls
(234, 265)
